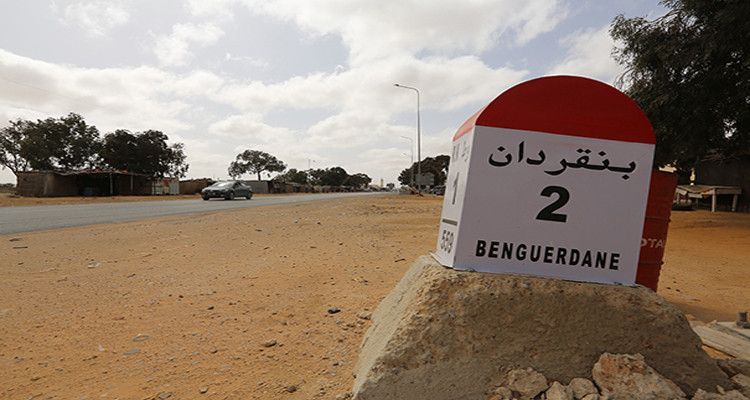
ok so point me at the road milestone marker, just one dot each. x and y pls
(551, 178)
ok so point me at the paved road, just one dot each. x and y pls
(37, 218)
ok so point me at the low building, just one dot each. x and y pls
(726, 172)
(194, 186)
(82, 183)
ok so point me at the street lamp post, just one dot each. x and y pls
(411, 166)
(309, 170)
(419, 139)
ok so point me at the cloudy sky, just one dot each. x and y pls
(309, 81)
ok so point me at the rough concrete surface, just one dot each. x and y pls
(445, 334)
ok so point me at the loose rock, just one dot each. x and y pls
(558, 391)
(366, 315)
(734, 366)
(528, 382)
(628, 377)
(501, 393)
(701, 394)
(581, 387)
(742, 383)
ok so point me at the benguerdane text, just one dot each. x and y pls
(548, 254)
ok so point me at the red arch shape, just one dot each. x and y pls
(566, 105)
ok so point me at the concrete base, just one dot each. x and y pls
(446, 334)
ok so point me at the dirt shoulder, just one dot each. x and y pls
(706, 264)
(260, 303)
(236, 303)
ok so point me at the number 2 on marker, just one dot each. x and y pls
(548, 213)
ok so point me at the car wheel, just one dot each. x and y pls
(205, 197)
(230, 196)
(249, 195)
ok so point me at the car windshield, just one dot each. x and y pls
(223, 184)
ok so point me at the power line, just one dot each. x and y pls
(43, 90)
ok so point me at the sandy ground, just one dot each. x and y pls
(242, 304)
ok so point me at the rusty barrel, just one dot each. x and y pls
(658, 210)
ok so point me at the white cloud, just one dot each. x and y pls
(300, 92)
(98, 17)
(452, 84)
(174, 49)
(255, 62)
(198, 83)
(220, 9)
(372, 30)
(589, 54)
(447, 84)
(536, 17)
(109, 98)
(249, 126)
(346, 130)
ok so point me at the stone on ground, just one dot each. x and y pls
(730, 395)
(628, 377)
(558, 391)
(742, 383)
(734, 366)
(582, 387)
(528, 382)
(446, 334)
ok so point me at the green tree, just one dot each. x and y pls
(689, 72)
(236, 169)
(82, 145)
(293, 176)
(143, 153)
(65, 143)
(119, 151)
(316, 176)
(358, 180)
(408, 176)
(438, 166)
(11, 138)
(254, 162)
(335, 176)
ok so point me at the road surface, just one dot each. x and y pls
(37, 218)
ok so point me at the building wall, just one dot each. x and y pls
(45, 184)
(260, 186)
(51, 184)
(727, 172)
(166, 186)
(132, 185)
(116, 184)
(194, 186)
